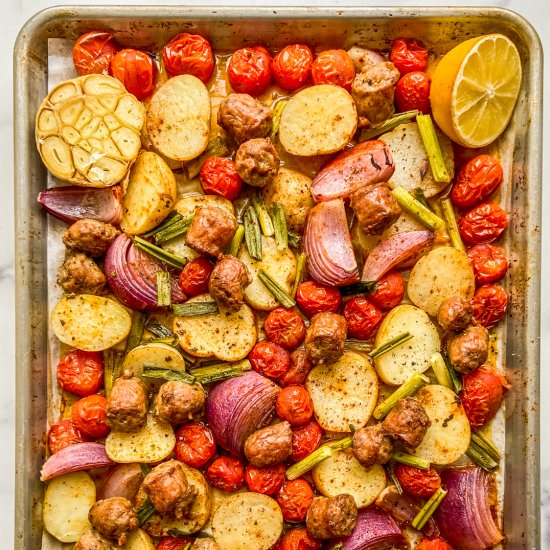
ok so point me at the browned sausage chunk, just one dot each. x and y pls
(269, 446)
(372, 90)
(90, 236)
(81, 275)
(333, 517)
(168, 489)
(257, 162)
(227, 283)
(468, 349)
(454, 314)
(244, 118)
(114, 518)
(375, 207)
(211, 230)
(325, 337)
(92, 540)
(371, 445)
(177, 401)
(205, 544)
(407, 422)
(128, 404)
(300, 365)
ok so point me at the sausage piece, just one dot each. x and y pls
(90, 236)
(81, 275)
(468, 349)
(269, 446)
(325, 337)
(227, 282)
(114, 518)
(205, 544)
(257, 162)
(128, 404)
(300, 365)
(454, 314)
(333, 517)
(371, 445)
(407, 422)
(176, 402)
(375, 207)
(92, 540)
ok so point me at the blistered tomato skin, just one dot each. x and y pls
(292, 66)
(136, 70)
(88, 415)
(226, 473)
(62, 434)
(333, 67)
(174, 543)
(218, 176)
(266, 481)
(80, 372)
(193, 279)
(195, 444)
(408, 55)
(412, 91)
(249, 70)
(299, 539)
(390, 290)
(483, 223)
(489, 263)
(489, 305)
(295, 498)
(269, 359)
(417, 482)
(362, 317)
(285, 327)
(433, 544)
(315, 298)
(305, 440)
(189, 54)
(92, 53)
(294, 405)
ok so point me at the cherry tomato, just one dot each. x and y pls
(409, 55)
(412, 91)
(218, 176)
(136, 70)
(489, 263)
(64, 433)
(315, 298)
(299, 539)
(333, 67)
(194, 277)
(189, 54)
(266, 481)
(295, 498)
(92, 53)
(433, 544)
(249, 70)
(300, 365)
(269, 359)
(80, 372)
(477, 179)
(226, 473)
(285, 327)
(362, 317)
(417, 482)
(195, 444)
(305, 439)
(489, 305)
(174, 543)
(483, 223)
(88, 415)
(292, 66)
(390, 290)
(294, 405)
(481, 396)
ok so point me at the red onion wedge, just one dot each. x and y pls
(238, 407)
(393, 251)
(74, 458)
(122, 481)
(75, 203)
(368, 162)
(464, 516)
(327, 244)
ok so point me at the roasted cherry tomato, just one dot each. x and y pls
(218, 176)
(333, 67)
(64, 433)
(88, 415)
(285, 327)
(80, 372)
(92, 53)
(489, 263)
(390, 290)
(408, 55)
(226, 473)
(362, 317)
(481, 395)
(249, 70)
(300, 365)
(417, 482)
(174, 543)
(412, 91)
(489, 305)
(292, 66)
(483, 223)
(266, 481)
(433, 544)
(476, 180)
(299, 539)
(315, 298)
(194, 277)
(136, 70)
(295, 498)
(189, 54)
(269, 359)
(294, 405)
(305, 439)
(195, 444)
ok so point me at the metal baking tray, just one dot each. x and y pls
(233, 27)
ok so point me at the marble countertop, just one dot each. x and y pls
(16, 12)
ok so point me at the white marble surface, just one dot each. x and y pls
(15, 13)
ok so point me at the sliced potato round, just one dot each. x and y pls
(396, 366)
(154, 442)
(280, 264)
(343, 393)
(343, 473)
(247, 521)
(448, 436)
(443, 273)
(218, 497)
(90, 323)
(226, 336)
(67, 501)
(178, 118)
(139, 540)
(318, 120)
